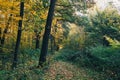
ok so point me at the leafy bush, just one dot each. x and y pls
(76, 39)
(104, 23)
(108, 60)
(100, 58)
(64, 54)
(22, 74)
(28, 57)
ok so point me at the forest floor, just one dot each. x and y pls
(60, 69)
(67, 71)
(57, 68)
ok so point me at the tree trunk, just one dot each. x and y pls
(37, 38)
(2, 40)
(37, 41)
(0, 34)
(18, 36)
(44, 49)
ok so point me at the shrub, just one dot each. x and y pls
(109, 58)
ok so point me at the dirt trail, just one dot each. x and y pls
(66, 71)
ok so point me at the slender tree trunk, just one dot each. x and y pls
(44, 49)
(2, 40)
(37, 41)
(18, 36)
(0, 34)
(37, 38)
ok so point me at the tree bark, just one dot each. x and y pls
(44, 48)
(15, 59)
(2, 37)
(37, 41)
(6, 30)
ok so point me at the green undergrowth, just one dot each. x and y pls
(21, 73)
(26, 68)
(103, 60)
(97, 63)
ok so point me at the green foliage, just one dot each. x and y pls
(101, 59)
(75, 37)
(78, 42)
(22, 74)
(104, 23)
(110, 60)
(106, 53)
(65, 54)
(28, 57)
(82, 61)
(64, 10)
(26, 69)
(82, 21)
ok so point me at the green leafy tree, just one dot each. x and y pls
(104, 23)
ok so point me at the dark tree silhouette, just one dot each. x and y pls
(2, 38)
(105, 42)
(44, 49)
(0, 33)
(37, 38)
(18, 36)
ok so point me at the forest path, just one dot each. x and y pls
(60, 70)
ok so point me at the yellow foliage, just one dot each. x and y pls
(6, 4)
(43, 15)
(17, 18)
(113, 42)
(33, 12)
